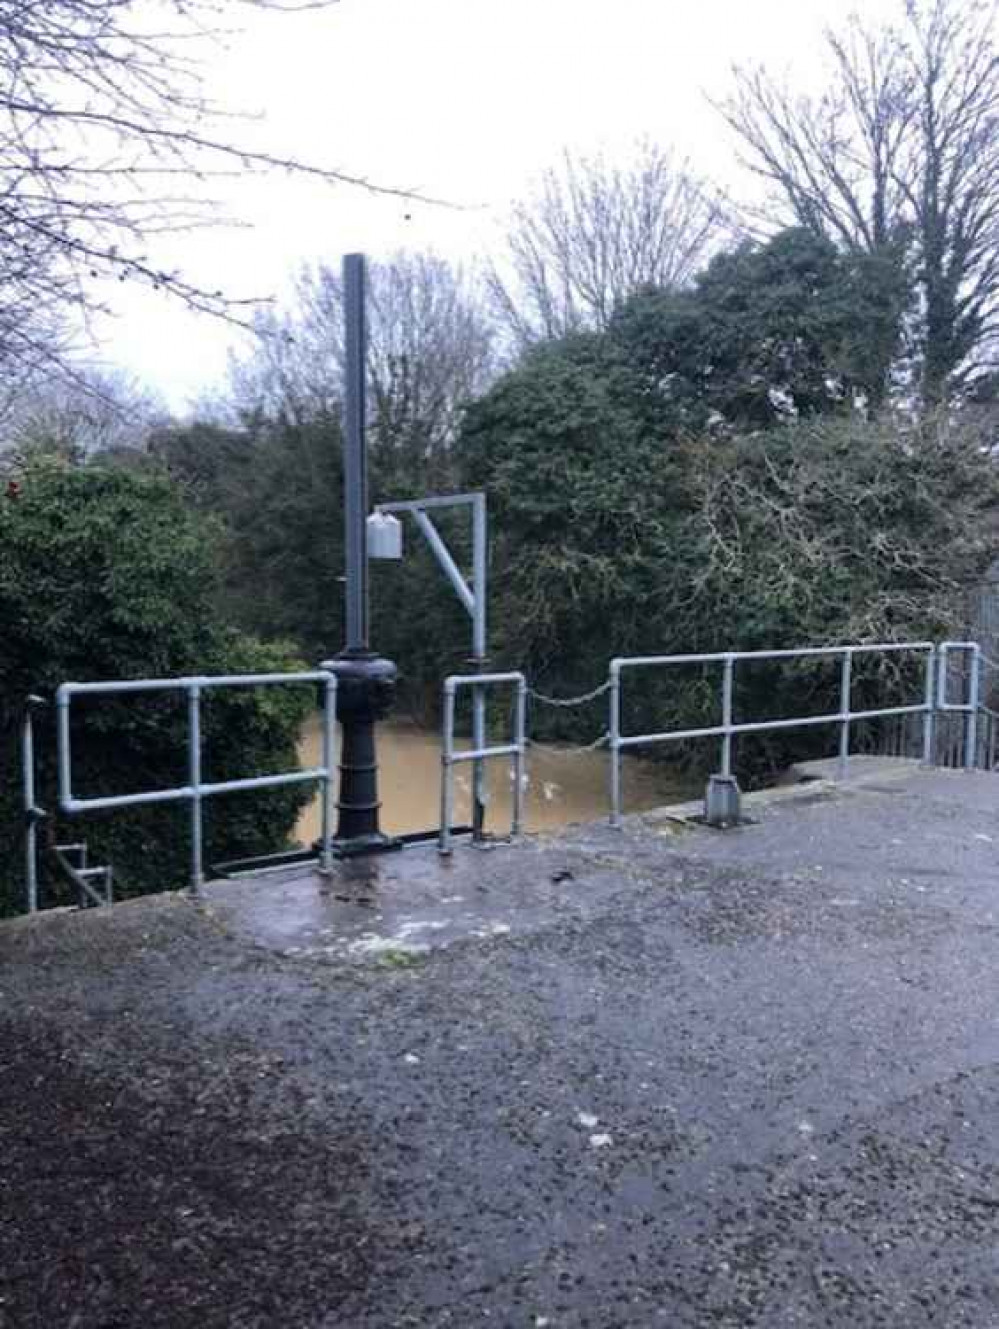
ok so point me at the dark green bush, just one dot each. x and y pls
(107, 573)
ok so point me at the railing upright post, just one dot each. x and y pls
(971, 732)
(480, 572)
(329, 723)
(614, 743)
(929, 700)
(845, 693)
(64, 756)
(447, 747)
(519, 757)
(478, 766)
(728, 677)
(194, 780)
(30, 815)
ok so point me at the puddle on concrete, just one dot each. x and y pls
(391, 909)
(565, 785)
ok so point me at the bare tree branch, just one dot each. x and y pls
(898, 156)
(103, 108)
(595, 232)
(431, 351)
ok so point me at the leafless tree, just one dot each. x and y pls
(75, 418)
(593, 232)
(108, 139)
(431, 351)
(898, 159)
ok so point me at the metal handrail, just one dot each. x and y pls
(473, 597)
(449, 757)
(81, 875)
(33, 814)
(196, 789)
(970, 707)
(729, 728)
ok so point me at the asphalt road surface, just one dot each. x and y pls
(664, 1076)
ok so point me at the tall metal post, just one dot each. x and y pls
(355, 454)
(366, 682)
(480, 662)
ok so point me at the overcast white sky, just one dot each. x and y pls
(461, 99)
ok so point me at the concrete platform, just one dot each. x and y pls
(657, 1076)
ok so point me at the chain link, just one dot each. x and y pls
(570, 701)
(574, 750)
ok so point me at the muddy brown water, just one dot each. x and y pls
(564, 784)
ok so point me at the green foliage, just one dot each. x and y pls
(839, 529)
(709, 473)
(276, 487)
(584, 503)
(617, 539)
(106, 573)
(767, 332)
(585, 452)
(211, 461)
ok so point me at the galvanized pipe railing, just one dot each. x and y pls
(33, 814)
(729, 727)
(196, 790)
(449, 757)
(82, 875)
(969, 708)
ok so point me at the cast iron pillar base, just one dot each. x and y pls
(365, 693)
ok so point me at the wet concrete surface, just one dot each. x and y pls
(658, 1076)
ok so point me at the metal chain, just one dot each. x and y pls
(570, 701)
(574, 750)
(562, 702)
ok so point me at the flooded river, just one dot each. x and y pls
(564, 784)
